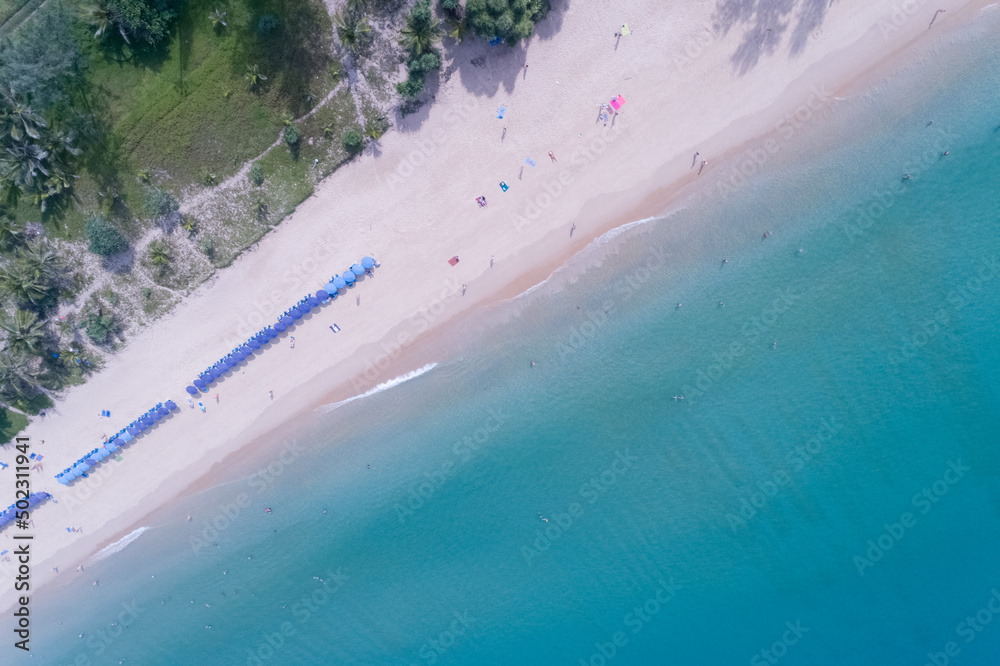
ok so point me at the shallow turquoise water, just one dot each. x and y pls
(843, 394)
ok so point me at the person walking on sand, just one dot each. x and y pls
(291, 342)
(359, 300)
(216, 398)
(703, 163)
(270, 394)
(551, 155)
(464, 287)
(491, 261)
(572, 229)
(695, 160)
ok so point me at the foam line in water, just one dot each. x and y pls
(381, 387)
(119, 545)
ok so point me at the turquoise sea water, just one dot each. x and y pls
(826, 493)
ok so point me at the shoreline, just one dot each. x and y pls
(306, 388)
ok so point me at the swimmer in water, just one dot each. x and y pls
(267, 510)
(532, 364)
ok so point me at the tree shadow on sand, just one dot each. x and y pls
(482, 69)
(765, 23)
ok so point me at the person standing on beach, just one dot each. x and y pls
(695, 160)
(572, 229)
(552, 156)
(703, 163)
(270, 394)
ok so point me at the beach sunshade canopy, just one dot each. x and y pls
(127, 436)
(331, 288)
(253, 344)
(170, 404)
(618, 102)
(295, 313)
(270, 332)
(199, 383)
(192, 390)
(147, 419)
(247, 350)
(304, 308)
(279, 327)
(63, 480)
(141, 426)
(358, 270)
(262, 338)
(368, 262)
(162, 411)
(217, 372)
(339, 282)
(113, 445)
(313, 301)
(154, 416)
(134, 430)
(286, 320)
(224, 365)
(349, 276)
(321, 295)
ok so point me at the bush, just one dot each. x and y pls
(159, 202)
(451, 6)
(99, 327)
(411, 87)
(267, 24)
(354, 141)
(510, 20)
(208, 247)
(104, 239)
(256, 174)
(291, 135)
(147, 292)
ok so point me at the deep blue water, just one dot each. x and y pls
(827, 490)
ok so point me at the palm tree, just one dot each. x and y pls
(421, 29)
(189, 224)
(19, 283)
(39, 260)
(11, 234)
(18, 379)
(19, 120)
(100, 15)
(353, 30)
(458, 29)
(218, 19)
(25, 333)
(254, 76)
(158, 255)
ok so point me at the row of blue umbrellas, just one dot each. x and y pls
(286, 321)
(121, 438)
(10, 513)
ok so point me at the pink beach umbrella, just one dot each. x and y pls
(618, 102)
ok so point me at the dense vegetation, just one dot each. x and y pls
(113, 113)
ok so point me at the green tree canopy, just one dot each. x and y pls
(144, 21)
(510, 20)
(25, 333)
(40, 61)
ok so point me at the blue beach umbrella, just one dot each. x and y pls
(192, 390)
(279, 327)
(162, 411)
(313, 301)
(127, 437)
(331, 288)
(253, 344)
(295, 313)
(170, 404)
(349, 277)
(199, 383)
(133, 430)
(113, 445)
(368, 262)
(141, 426)
(304, 307)
(63, 480)
(147, 420)
(216, 372)
(246, 349)
(286, 320)
(339, 282)
(322, 295)
(223, 365)
(154, 416)
(358, 270)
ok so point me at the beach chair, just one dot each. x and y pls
(503, 186)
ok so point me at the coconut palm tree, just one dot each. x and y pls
(353, 30)
(19, 282)
(11, 235)
(25, 333)
(159, 256)
(254, 76)
(218, 19)
(422, 29)
(38, 259)
(19, 378)
(19, 120)
(458, 29)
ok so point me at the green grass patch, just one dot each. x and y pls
(11, 423)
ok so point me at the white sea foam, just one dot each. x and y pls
(118, 546)
(381, 387)
(597, 242)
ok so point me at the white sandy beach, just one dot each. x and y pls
(412, 206)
